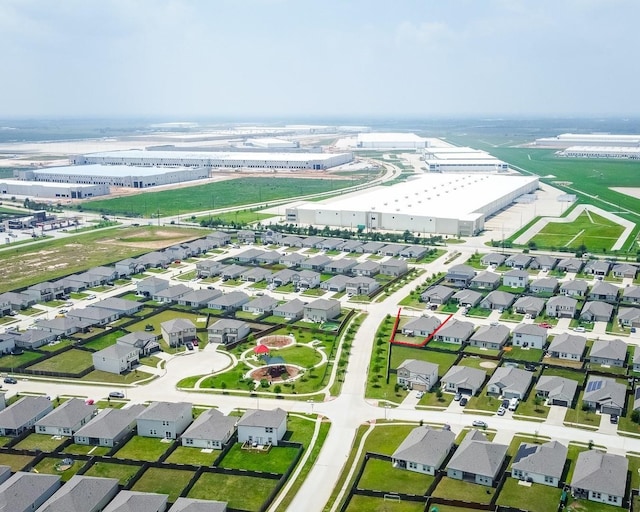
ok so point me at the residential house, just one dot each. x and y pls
(331, 244)
(394, 267)
(108, 274)
(260, 305)
(232, 272)
(460, 275)
(128, 267)
(93, 315)
(250, 256)
(597, 268)
(455, 331)
(605, 394)
(361, 285)
(16, 301)
(341, 266)
(631, 294)
(546, 285)
(219, 238)
(350, 245)
(145, 342)
(7, 343)
(23, 415)
(543, 262)
(493, 259)
(557, 390)
(199, 298)
(321, 310)
(291, 259)
(269, 236)
(477, 460)
(516, 278)
(32, 338)
(281, 277)
(463, 379)
(437, 294)
(498, 300)
(165, 420)
(109, 427)
(625, 270)
(45, 291)
(509, 382)
(421, 326)
(228, 331)
(629, 317)
(255, 275)
(66, 419)
(209, 268)
(636, 359)
(490, 336)
(528, 305)
(306, 279)
(574, 288)
(418, 375)
(26, 491)
(130, 501)
(573, 265)
(367, 268)
(63, 326)
(154, 259)
(120, 306)
(246, 236)
(596, 311)
(118, 358)
(370, 247)
(391, 250)
(178, 252)
(178, 331)
(269, 258)
(82, 494)
(600, 477)
(567, 346)
(229, 302)
(194, 505)
(199, 247)
(262, 426)
(290, 241)
(316, 263)
(540, 463)
(172, 294)
(312, 242)
(210, 430)
(529, 335)
(605, 291)
(561, 307)
(151, 286)
(518, 261)
(424, 450)
(467, 298)
(292, 310)
(609, 352)
(486, 280)
(414, 251)
(335, 284)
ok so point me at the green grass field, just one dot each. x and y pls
(71, 361)
(122, 472)
(241, 492)
(163, 481)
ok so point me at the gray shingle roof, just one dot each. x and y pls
(293, 306)
(420, 367)
(568, 343)
(577, 285)
(510, 379)
(25, 409)
(456, 329)
(210, 425)
(166, 411)
(193, 505)
(22, 490)
(600, 472)
(465, 376)
(609, 349)
(262, 418)
(605, 392)
(422, 323)
(425, 445)
(110, 422)
(67, 414)
(545, 282)
(546, 459)
(597, 308)
(177, 325)
(478, 456)
(531, 329)
(557, 387)
(491, 334)
(80, 494)
(133, 501)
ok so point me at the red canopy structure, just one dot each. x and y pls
(261, 349)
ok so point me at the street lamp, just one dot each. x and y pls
(312, 402)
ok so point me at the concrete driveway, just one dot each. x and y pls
(556, 415)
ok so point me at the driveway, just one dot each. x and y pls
(556, 415)
(606, 427)
(599, 328)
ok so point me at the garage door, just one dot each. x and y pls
(563, 403)
(419, 387)
(465, 391)
(610, 410)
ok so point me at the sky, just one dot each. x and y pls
(184, 59)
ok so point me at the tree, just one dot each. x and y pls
(277, 389)
(439, 394)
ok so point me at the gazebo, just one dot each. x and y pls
(261, 349)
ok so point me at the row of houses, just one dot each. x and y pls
(598, 476)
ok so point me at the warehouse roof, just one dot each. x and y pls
(207, 156)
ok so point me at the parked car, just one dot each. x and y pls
(91, 297)
(457, 397)
(505, 403)
(530, 367)
(501, 411)
(10, 380)
(579, 329)
(189, 345)
(195, 343)
(419, 394)
(479, 423)
(463, 401)
(613, 419)
(116, 394)
(545, 325)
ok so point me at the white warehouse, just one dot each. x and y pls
(390, 141)
(451, 204)
(624, 153)
(217, 160)
(566, 140)
(34, 189)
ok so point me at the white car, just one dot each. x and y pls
(419, 394)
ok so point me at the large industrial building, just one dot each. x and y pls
(451, 204)
(272, 143)
(34, 189)
(217, 160)
(566, 140)
(624, 153)
(116, 175)
(390, 141)
(461, 159)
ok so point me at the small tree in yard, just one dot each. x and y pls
(635, 416)
(439, 395)
(537, 401)
(277, 389)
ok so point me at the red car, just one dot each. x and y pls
(195, 343)
(545, 325)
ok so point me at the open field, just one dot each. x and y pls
(163, 481)
(220, 194)
(240, 217)
(27, 265)
(233, 489)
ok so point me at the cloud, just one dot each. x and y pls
(429, 34)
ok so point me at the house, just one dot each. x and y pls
(178, 331)
(561, 307)
(32, 338)
(281, 277)
(17, 300)
(72, 284)
(573, 265)
(567, 346)
(624, 270)
(118, 358)
(262, 426)
(518, 261)
(604, 394)
(249, 256)
(463, 379)
(154, 259)
(312, 242)
(165, 420)
(419, 375)
(421, 326)
(63, 326)
(229, 302)
(437, 294)
(199, 247)
(394, 267)
(609, 352)
(260, 305)
(543, 262)
(66, 419)
(45, 291)
(290, 241)
(636, 359)
(120, 306)
(540, 463)
(631, 294)
(246, 236)
(460, 275)
(128, 267)
(209, 268)
(467, 298)
(227, 331)
(172, 294)
(232, 272)
(108, 427)
(490, 336)
(292, 310)
(370, 247)
(361, 285)
(498, 300)
(516, 278)
(528, 305)
(629, 317)
(82, 494)
(335, 284)
(341, 266)
(130, 501)
(486, 280)
(93, 315)
(600, 477)
(210, 430)
(178, 252)
(26, 491)
(557, 390)
(574, 288)
(321, 310)
(605, 291)
(493, 259)
(151, 286)
(194, 505)
(367, 268)
(23, 414)
(199, 298)
(529, 335)
(597, 268)
(423, 450)
(350, 245)
(316, 263)
(255, 275)
(7, 343)
(596, 311)
(544, 285)
(509, 382)
(144, 342)
(292, 259)
(306, 279)
(455, 331)
(391, 250)
(477, 460)
(268, 258)
(414, 251)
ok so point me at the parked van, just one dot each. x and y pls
(513, 403)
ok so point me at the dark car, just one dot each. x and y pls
(116, 394)
(613, 419)
(530, 367)
(10, 380)
(463, 401)
(505, 404)
(189, 345)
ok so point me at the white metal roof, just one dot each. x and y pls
(389, 137)
(45, 184)
(215, 155)
(108, 170)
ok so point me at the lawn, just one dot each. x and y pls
(104, 341)
(277, 460)
(574, 505)
(444, 360)
(42, 442)
(535, 498)
(588, 418)
(567, 373)
(486, 365)
(233, 489)
(380, 475)
(469, 349)
(624, 422)
(465, 491)
(164, 481)
(142, 448)
(532, 355)
(83, 449)
(239, 217)
(12, 361)
(48, 465)
(194, 456)
(529, 407)
(441, 345)
(369, 504)
(71, 361)
(122, 472)
(127, 378)
(14, 461)
(483, 402)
